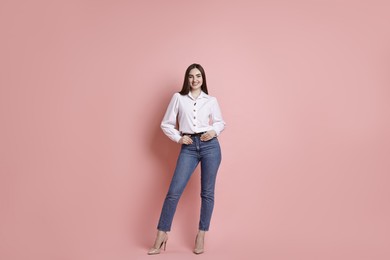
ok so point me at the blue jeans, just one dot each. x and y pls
(209, 155)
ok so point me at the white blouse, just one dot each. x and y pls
(194, 115)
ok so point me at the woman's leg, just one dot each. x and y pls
(185, 166)
(210, 161)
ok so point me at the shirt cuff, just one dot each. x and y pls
(177, 138)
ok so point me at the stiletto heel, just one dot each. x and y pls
(165, 244)
(156, 249)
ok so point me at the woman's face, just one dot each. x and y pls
(195, 79)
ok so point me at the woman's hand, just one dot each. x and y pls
(185, 140)
(208, 135)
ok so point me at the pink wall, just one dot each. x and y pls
(304, 89)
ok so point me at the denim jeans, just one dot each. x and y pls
(208, 153)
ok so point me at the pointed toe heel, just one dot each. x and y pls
(199, 245)
(161, 241)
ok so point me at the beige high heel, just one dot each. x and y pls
(159, 243)
(199, 244)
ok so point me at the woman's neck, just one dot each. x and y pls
(195, 93)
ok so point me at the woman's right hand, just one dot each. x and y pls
(185, 140)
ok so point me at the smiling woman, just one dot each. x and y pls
(200, 122)
(303, 85)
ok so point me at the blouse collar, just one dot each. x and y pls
(201, 95)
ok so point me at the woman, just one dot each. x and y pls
(200, 122)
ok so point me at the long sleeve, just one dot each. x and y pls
(168, 124)
(216, 117)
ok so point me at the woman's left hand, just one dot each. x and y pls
(208, 135)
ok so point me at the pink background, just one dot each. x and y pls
(304, 87)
